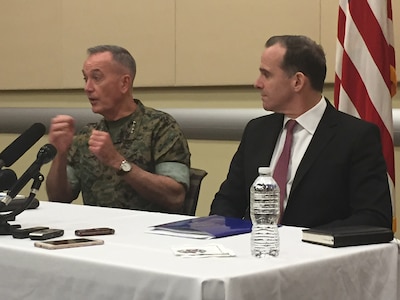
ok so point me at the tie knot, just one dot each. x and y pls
(290, 125)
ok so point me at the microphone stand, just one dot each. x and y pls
(5, 227)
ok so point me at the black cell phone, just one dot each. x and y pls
(94, 231)
(23, 233)
(46, 234)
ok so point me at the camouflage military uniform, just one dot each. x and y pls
(149, 138)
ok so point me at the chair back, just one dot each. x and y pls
(192, 195)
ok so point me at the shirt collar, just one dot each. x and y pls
(310, 119)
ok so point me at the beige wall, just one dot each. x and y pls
(175, 42)
(196, 54)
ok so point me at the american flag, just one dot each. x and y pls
(365, 79)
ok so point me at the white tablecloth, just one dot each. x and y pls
(134, 264)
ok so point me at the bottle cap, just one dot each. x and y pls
(264, 170)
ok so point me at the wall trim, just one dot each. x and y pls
(196, 123)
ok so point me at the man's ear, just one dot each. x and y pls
(126, 83)
(299, 80)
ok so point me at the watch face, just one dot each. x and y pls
(125, 166)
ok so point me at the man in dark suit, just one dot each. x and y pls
(337, 172)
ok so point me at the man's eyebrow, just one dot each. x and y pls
(91, 71)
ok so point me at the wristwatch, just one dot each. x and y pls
(124, 168)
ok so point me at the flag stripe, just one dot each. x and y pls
(339, 55)
(373, 36)
(392, 58)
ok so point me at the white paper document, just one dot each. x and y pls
(212, 250)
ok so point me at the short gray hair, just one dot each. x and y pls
(119, 54)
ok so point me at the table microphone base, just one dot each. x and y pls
(7, 229)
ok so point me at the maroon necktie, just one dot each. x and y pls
(281, 167)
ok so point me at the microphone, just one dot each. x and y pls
(7, 179)
(45, 155)
(21, 144)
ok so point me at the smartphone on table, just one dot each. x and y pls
(23, 233)
(68, 243)
(46, 234)
(94, 231)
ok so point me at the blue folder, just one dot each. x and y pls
(205, 227)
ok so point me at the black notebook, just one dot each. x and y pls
(204, 227)
(347, 236)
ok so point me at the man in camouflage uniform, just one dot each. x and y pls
(135, 157)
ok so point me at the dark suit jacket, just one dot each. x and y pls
(341, 179)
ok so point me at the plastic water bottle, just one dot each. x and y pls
(264, 212)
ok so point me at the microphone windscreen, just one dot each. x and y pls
(7, 179)
(46, 153)
(22, 144)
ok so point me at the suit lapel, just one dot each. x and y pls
(324, 133)
(273, 131)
